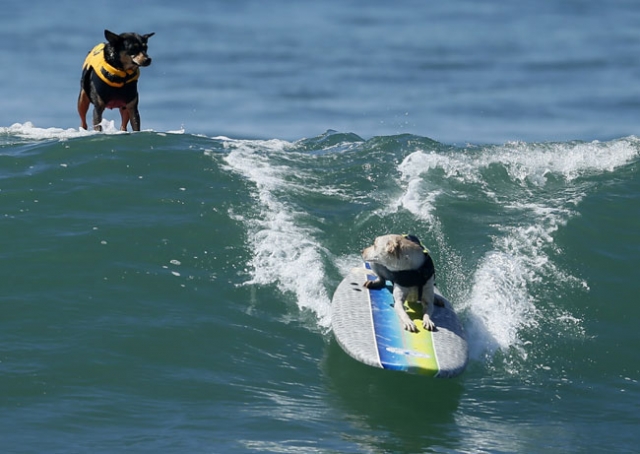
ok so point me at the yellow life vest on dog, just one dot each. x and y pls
(111, 76)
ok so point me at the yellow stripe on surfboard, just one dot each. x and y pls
(422, 342)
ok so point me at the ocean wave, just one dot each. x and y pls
(534, 189)
(284, 248)
(491, 214)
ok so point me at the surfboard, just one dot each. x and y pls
(368, 329)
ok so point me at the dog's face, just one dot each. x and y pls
(131, 48)
(395, 252)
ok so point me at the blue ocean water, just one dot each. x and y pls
(454, 71)
(170, 290)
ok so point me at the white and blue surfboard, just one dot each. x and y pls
(367, 328)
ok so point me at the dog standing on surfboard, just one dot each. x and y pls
(110, 78)
(403, 260)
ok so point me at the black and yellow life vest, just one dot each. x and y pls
(111, 76)
(418, 277)
(409, 278)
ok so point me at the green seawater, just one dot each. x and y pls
(167, 292)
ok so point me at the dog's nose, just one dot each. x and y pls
(147, 62)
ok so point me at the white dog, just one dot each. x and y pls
(403, 260)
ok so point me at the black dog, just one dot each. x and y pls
(110, 78)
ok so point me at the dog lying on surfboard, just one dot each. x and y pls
(403, 260)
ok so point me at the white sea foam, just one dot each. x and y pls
(499, 302)
(569, 160)
(28, 131)
(284, 250)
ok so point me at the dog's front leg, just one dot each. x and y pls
(399, 296)
(133, 115)
(83, 107)
(124, 116)
(407, 323)
(97, 116)
(375, 284)
(428, 301)
(427, 323)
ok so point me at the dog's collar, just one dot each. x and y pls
(111, 76)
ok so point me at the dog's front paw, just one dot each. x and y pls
(410, 326)
(427, 323)
(377, 284)
(405, 321)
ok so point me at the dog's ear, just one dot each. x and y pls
(111, 37)
(393, 247)
(147, 36)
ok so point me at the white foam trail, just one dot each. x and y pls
(500, 302)
(420, 201)
(285, 251)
